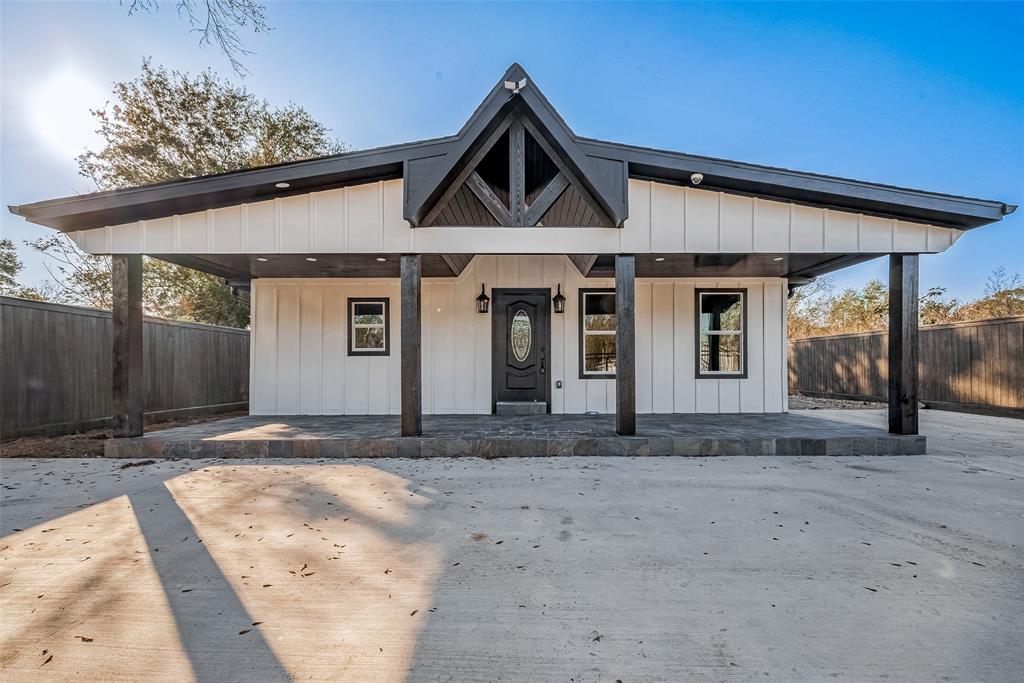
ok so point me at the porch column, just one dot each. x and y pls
(412, 373)
(126, 285)
(625, 345)
(903, 304)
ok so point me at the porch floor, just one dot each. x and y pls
(491, 436)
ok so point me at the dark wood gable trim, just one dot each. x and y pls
(583, 262)
(542, 187)
(598, 185)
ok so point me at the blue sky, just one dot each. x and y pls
(919, 95)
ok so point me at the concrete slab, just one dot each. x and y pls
(584, 569)
(800, 432)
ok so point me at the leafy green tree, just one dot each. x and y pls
(166, 125)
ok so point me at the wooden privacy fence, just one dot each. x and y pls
(55, 368)
(973, 366)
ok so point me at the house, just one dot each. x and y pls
(516, 267)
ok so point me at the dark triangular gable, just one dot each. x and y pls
(516, 164)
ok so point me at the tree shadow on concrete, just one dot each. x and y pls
(216, 630)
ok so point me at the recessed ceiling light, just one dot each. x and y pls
(779, 258)
(282, 185)
(310, 259)
(261, 259)
(381, 259)
(660, 259)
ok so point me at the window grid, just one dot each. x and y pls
(380, 308)
(740, 334)
(585, 333)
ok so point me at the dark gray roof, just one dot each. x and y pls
(427, 164)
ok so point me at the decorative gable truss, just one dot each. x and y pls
(516, 179)
(515, 164)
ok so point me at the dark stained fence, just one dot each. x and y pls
(55, 368)
(974, 366)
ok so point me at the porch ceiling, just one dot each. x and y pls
(731, 265)
(248, 266)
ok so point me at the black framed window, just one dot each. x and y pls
(721, 333)
(369, 327)
(597, 333)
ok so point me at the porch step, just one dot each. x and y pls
(510, 408)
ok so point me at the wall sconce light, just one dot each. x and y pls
(559, 301)
(483, 302)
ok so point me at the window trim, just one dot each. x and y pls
(349, 329)
(582, 365)
(720, 374)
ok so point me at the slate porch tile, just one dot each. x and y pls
(864, 445)
(409, 446)
(838, 446)
(561, 446)
(812, 447)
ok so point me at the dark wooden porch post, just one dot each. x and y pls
(903, 322)
(126, 282)
(412, 378)
(625, 345)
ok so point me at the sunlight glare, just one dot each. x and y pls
(58, 112)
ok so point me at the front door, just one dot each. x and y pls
(521, 339)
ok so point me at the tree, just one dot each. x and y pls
(10, 268)
(217, 21)
(166, 126)
(1004, 297)
(814, 311)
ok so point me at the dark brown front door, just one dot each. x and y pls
(521, 339)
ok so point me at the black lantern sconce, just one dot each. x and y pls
(559, 301)
(483, 302)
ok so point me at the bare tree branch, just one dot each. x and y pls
(217, 22)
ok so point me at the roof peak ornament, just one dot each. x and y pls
(515, 86)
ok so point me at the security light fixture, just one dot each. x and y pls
(483, 302)
(660, 259)
(282, 186)
(261, 259)
(559, 301)
(381, 259)
(779, 258)
(310, 259)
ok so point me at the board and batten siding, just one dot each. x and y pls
(300, 363)
(663, 218)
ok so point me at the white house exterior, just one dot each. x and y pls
(365, 270)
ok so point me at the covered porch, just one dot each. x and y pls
(801, 432)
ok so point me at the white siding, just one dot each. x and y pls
(300, 363)
(662, 219)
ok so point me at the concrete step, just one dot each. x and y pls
(508, 408)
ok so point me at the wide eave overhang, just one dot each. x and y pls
(603, 166)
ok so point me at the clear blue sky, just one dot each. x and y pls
(918, 95)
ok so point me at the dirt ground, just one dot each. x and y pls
(593, 570)
(797, 402)
(86, 444)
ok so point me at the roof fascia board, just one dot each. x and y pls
(363, 166)
(722, 174)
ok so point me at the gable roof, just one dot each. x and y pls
(602, 167)
(427, 178)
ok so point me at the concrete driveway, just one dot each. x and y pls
(575, 569)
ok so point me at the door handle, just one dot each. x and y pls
(542, 356)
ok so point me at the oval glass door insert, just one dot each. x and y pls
(522, 335)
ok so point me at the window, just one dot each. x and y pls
(368, 327)
(597, 333)
(721, 333)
